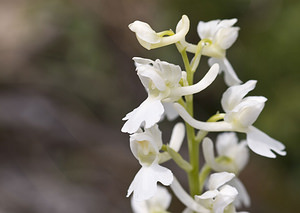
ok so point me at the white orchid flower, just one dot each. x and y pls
(162, 82)
(150, 39)
(222, 35)
(235, 156)
(145, 147)
(217, 199)
(241, 113)
(159, 203)
(219, 195)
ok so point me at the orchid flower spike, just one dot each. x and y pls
(232, 157)
(145, 146)
(162, 83)
(150, 39)
(241, 113)
(160, 202)
(222, 35)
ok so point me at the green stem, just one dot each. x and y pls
(179, 160)
(203, 175)
(193, 146)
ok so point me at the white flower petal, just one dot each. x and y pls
(171, 72)
(234, 94)
(228, 22)
(229, 191)
(262, 144)
(139, 206)
(144, 184)
(177, 136)
(227, 145)
(206, 126)
(147, 114)
(148, 142)
(155, 135)
(225, 142)
(159, 202)
(243, 197)
(183, 28)
(207, 29)
(149, 72)
(226, 196)
(208, 194)
(230, 76)
(149, 39)
(161, 199)
(144, 33)
(187, 210)
(170, 111)
(201, 85)
(247, 111)
(242, 155)
(209, 156)
(175, 142)
(218, 179)
(225, 37)
(158, 74)
(186, 199)
(139, 61)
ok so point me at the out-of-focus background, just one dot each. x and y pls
(67, 79)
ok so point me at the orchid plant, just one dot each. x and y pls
(215, 186)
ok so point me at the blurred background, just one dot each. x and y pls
(67, 79)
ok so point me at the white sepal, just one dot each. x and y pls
(218, 179)
(230, 77)
(234, 95)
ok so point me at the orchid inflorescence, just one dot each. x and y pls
(214, 188)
